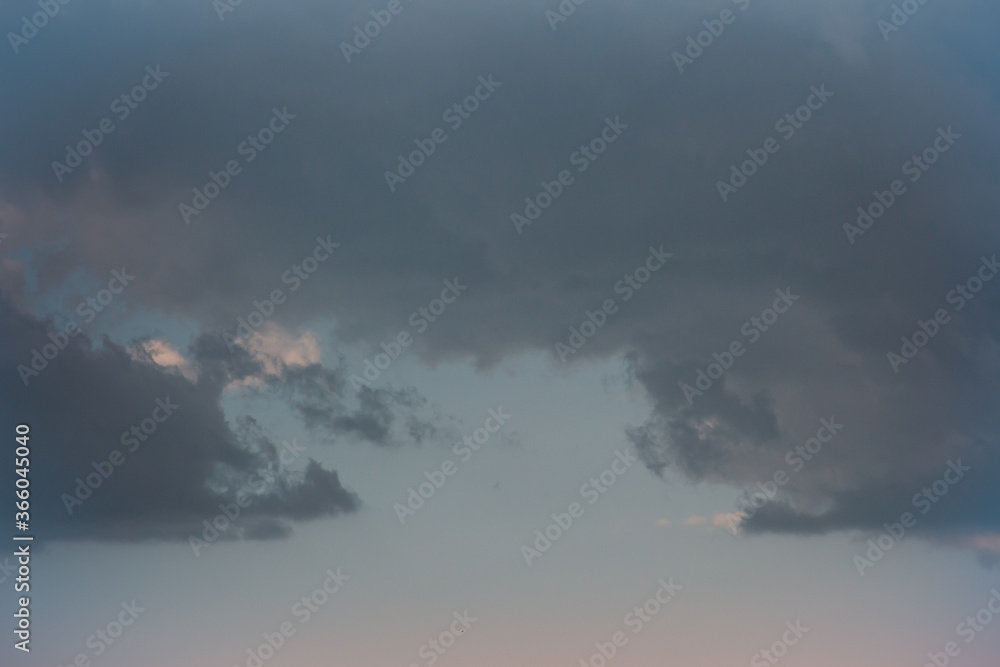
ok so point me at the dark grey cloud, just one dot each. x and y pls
(318, 396)
(178, 459)
(655, 185)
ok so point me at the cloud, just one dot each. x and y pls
(730, 521)
(657, 185)
(178, 457)
(275, 349)
(162, 353)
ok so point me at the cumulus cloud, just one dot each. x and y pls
(178, 456)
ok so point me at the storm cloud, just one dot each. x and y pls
(781, 228)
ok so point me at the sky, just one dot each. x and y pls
(421, 333)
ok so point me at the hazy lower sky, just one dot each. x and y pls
(473, 334)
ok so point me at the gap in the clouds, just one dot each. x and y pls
(573, 417)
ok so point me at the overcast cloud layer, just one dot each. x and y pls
(678, 133)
